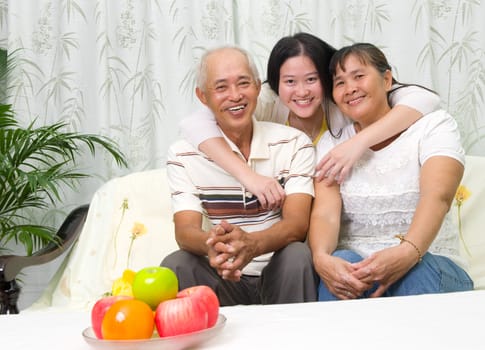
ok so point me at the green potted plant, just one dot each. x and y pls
(36, 163)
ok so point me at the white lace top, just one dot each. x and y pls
(380, 196)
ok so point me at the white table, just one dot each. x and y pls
(447, 321)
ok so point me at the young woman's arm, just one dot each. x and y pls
(409, 104)
(200, 129)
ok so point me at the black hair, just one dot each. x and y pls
(367, 54)
(303, 44)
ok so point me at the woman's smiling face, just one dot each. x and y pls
(300, 88)
(360, 90)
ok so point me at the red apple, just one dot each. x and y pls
(100, 308)
(207, 297)
(191, 311)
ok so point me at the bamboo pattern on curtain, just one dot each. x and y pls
(125, 68)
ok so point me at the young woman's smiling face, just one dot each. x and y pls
(300, 88)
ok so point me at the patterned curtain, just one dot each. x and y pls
(124, 68)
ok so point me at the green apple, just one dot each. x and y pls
(155, 284)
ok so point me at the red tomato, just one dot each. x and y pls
(128, 319)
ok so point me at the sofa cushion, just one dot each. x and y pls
(470, 212)
(140, 203)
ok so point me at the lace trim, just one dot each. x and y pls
(377, 210)
(367, 239)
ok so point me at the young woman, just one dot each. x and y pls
(300, 96)
(399, 192)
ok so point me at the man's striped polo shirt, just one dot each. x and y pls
(198, 184)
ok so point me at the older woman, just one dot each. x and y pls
(388, 220)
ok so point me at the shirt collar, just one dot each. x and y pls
(259, 146)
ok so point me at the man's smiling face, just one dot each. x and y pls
(231, 90)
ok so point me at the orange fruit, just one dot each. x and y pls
(128, 319)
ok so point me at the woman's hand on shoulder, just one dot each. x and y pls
(338, 162)
(270, 193)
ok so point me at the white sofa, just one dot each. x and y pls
(101, 253)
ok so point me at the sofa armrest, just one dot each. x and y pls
(11, 265)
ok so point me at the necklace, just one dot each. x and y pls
(302, 127)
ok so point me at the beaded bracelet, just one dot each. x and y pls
(403, 239)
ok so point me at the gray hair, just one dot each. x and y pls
(201, 73)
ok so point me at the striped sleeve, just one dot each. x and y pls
(185, 195)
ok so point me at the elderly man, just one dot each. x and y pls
(250, 255)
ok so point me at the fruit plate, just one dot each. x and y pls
(177, 342)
